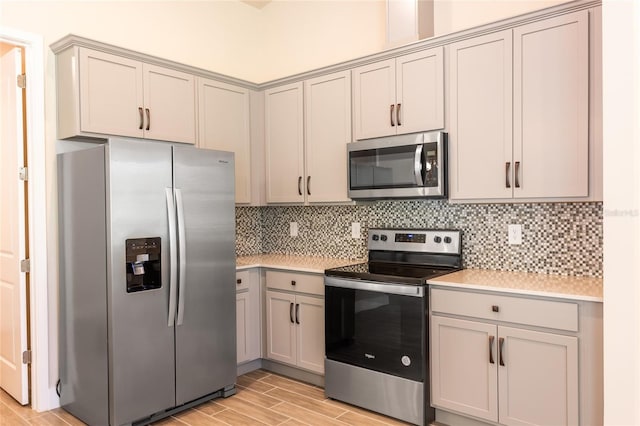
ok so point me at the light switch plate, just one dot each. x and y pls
(293, 229)
(515, 234)
(355, 229)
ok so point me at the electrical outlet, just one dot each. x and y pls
(293, 229)
(355, 229)
(515, 234)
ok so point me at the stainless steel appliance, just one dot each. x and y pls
(376, 322)
(406, 166)
(147, 266)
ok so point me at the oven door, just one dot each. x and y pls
(377, 326)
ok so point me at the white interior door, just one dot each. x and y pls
(13, 299)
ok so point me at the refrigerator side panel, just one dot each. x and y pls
(206, 338)
(83, 285)
(141, 340)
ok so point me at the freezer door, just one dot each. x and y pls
(205, 324)
(141, 343)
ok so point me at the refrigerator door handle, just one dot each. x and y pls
(182, 261)
(173, 264)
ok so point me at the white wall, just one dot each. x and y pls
(621, 130)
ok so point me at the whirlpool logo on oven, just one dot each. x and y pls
(369, 356)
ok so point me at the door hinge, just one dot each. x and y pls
(22, 81)
(26, 357)
(25, 265)
(23, 173)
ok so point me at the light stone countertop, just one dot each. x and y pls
(556, 286)
(313, 264)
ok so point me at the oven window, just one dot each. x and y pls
(378, 331)
(392, 167)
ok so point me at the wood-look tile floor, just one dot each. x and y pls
(263, 398)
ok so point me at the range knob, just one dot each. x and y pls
(383, 237)
(437, 240)
(375, 237)
(447, 240)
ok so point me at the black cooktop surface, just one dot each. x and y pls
(390, 272)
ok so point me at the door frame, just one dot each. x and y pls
(42, 393)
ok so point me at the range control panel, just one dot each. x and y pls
(446, 241)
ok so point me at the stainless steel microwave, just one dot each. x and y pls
(406, 166)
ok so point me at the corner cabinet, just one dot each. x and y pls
(501, 358)
(100, 94)
(519, 112)
(224, 124)
(400, 95)
(248, 315)
(295, 319)
(307, 128)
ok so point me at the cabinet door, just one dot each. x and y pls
(540, 370)
(310, 333)
(374, 99)
(463, 367)
(480, 137)
(170, 105)
(110, 94)
(284, 146)
(420, 91)
(551, 107)
(281, 330)
(327, 132)
(223, 123)
(242, 323)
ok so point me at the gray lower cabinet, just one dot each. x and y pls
(295, 319)
(515, 360)
(248, 315)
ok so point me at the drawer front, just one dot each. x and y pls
(242, 280)
(298, 282)
(519, 310)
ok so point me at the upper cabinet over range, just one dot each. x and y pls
(400, 95)
(101, 94)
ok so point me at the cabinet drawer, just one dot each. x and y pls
(242, 280)
(302, 283)
(520, 310)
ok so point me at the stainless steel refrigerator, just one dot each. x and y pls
(147, 270)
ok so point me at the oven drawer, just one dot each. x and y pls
(298, 282)
(519, 310)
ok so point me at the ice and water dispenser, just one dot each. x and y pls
(143, 264)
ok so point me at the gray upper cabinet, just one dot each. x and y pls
(101, 94)
(519, 112)
(400, 95)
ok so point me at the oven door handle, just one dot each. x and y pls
(400, 289)
(417, 165)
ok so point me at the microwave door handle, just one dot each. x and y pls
(417, 165)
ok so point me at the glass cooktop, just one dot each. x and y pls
(389, 272)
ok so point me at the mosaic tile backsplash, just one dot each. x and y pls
(557, 238)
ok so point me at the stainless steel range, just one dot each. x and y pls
(376, 322)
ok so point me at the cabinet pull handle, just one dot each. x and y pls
(291, 312)
(297, 313)
(495, 308)
(141, 118)
(148, 118)
(506, 172)
(491, 340)
(398, 115)
(391, 115)
(299, 185)
(308, 185)
(500, 355)
(293, 282)
(517, 172)
(239, 281)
